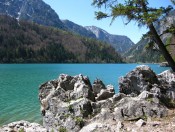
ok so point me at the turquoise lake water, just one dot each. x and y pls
(19, 84)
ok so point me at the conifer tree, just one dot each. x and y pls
(141, 12)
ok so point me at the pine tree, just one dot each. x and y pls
(141, 12)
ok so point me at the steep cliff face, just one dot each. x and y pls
(120, 43)
(138, 53)
(31, 10)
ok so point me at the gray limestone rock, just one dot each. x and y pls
(161, 86)
(97, 86)
(140, 123)
(64, 100)
(70, 103)
(106, 93)
(138, 80)
(23, 126)
(132, 108)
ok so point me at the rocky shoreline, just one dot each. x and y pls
(145, 102)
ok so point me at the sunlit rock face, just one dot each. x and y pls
(31, 10)
(142, 78)
(72, 103)
(119, 42)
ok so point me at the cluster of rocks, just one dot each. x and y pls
(67, 102)
(144, 83)
(72, 103)
(23, 126)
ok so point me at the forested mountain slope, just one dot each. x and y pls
(24, 42)
(41, 13)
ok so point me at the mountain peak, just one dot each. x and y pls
(96, 30)
(119, 42)
(41, 13)
(31, 10)
(78, 29)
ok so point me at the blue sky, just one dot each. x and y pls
(82, 12)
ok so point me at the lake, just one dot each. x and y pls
(19, 84)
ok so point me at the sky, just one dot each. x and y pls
(82, 13)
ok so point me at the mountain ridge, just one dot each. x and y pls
(39, 12)
(27, 42)
(120, 42)
(31, 10)
(78, 29)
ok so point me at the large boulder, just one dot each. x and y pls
(167, 87)
(138, 80)
(70, 98)
(133, 108)
(81, 89)
(144, 79)
(65, 100)
(167, 79)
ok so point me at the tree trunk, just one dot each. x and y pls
(162, 47)
(158, 40)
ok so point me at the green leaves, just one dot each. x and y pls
(100, 15)
(99, 3)
(137, 10)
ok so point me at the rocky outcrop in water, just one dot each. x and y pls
(142, 78)
(73, 104)
(138, 80)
